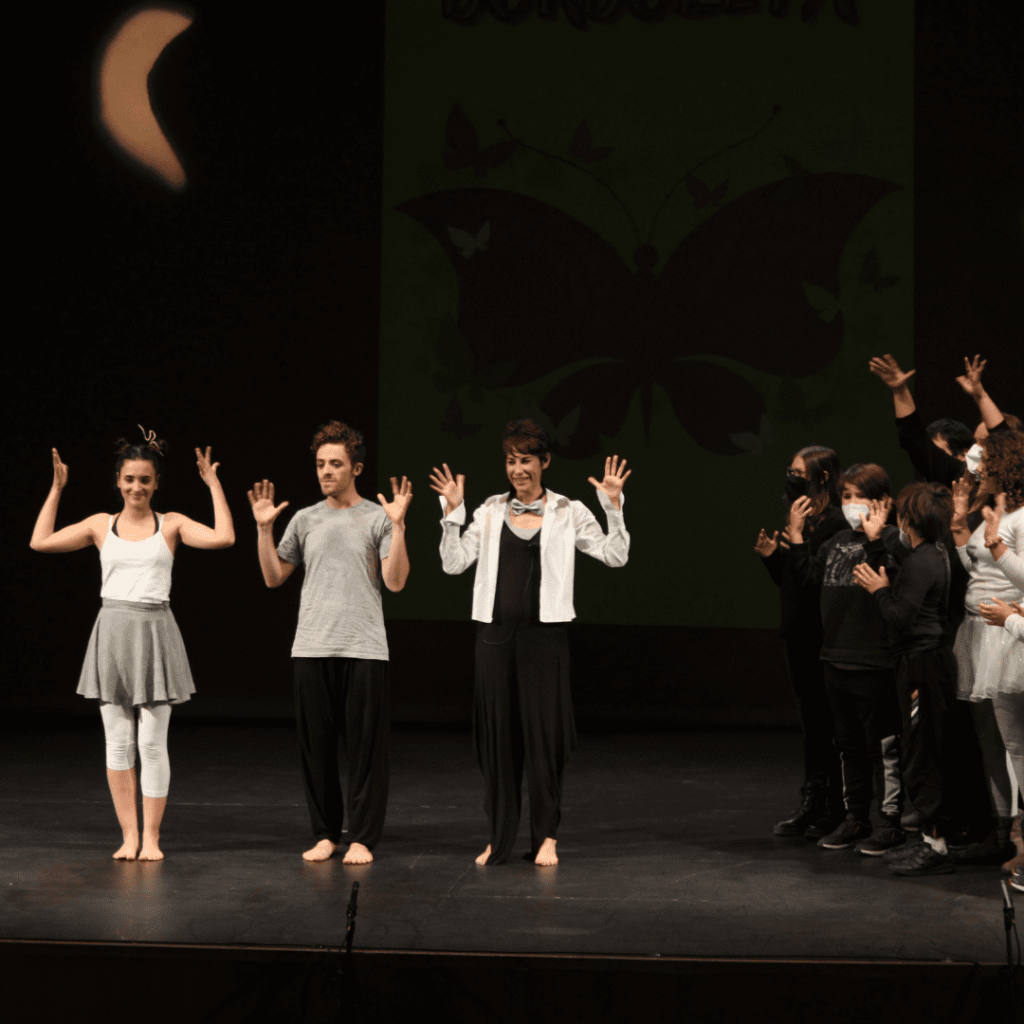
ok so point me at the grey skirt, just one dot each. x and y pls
(136, 656)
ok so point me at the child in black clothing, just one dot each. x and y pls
(858, 659)
(814, 473)
(926, 672)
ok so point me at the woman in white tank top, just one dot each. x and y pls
(136, 664)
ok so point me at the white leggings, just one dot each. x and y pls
(120, 727)
(999, 723)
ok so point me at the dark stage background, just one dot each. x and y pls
(244, 311)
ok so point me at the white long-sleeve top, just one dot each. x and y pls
(989, 578)
(1015, 624)
(566, 525)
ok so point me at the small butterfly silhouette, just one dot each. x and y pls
(468, 244)
(464, 146)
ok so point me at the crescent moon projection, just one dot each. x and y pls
(124, 106)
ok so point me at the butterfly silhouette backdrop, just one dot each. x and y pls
(539, 291)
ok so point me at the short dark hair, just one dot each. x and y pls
(928, 508)
(337, 432)
(526, 437)
(868, 477)
(955, 433)
(153, 450)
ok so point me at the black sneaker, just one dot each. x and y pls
(961, 838)
(885, 837)
(1017, 881)
(989, 852)
(849, 832)
(924, 859)
(897, 853)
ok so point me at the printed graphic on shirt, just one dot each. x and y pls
(841, 560)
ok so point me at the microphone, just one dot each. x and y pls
(350, 918)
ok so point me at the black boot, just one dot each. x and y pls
(811, 807)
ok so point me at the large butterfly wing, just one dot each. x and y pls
(734, 286)
(545, 290)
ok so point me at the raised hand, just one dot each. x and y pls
(998, 612)
(878, 512)
(60, 472)
(866, 577)
(962, 496)
(766, 545)
(614, 478)
(261, 497)
(888, 371)
(206, 471)
(452, 489)
(992, 519)
(798, 513)
(970, 381)
(403, 495)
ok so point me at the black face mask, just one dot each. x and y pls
(796, 486)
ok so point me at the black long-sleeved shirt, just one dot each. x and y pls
(929, 460)
(854, 631)
(936, 466)
(800, 605)
(914, 608)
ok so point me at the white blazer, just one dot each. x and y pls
(565, 526)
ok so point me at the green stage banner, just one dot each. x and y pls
(673, 231)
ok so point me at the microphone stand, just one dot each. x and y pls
(1008, 924)
(343, 976)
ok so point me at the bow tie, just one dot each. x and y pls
(518, 508)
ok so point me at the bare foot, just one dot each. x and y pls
(546, 855)
(128, 850)
(357, 854)
(151, 849)
(322, 851)
(485, 856)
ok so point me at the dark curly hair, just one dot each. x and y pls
(928, 508)
(337, 432)
(1004, 460)
(152, 450)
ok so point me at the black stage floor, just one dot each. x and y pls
(665, 847)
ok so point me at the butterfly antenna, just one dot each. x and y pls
(585, 170)
(708, 159)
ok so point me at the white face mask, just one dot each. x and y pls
(853, 514)
(974, 454)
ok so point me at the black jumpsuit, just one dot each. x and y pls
(522, 714)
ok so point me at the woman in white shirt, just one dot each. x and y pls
(991, 661)
(136, 661)
(524, 542)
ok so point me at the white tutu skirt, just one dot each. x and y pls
(136, 656)
(989, 659)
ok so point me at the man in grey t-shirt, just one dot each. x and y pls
(340, 654)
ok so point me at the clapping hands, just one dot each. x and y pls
(878, 513)
(866, 577)
(992, 519)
